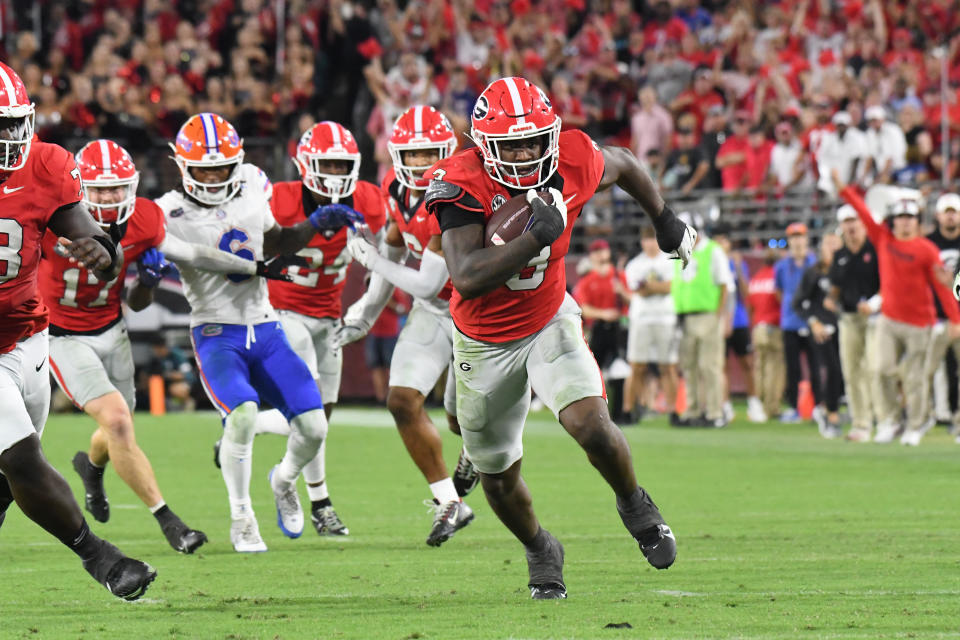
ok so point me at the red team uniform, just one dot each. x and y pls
(316, 291)
(414, 222)
(526, 302)
(78, 302)
(49, 180)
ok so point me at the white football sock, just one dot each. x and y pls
(308, 434)
(236, 458)
(272, 421)
(316, 473)
(444, 491)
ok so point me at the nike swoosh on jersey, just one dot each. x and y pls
(40, 366)
(567, 201)
(9, 190)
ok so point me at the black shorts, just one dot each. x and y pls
(739, 342)
(379, 351)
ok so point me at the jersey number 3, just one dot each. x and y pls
(11, 242)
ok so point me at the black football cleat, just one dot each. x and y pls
(95, 498)
(122, 576)
(448, 518)
(181, 537)
(546, 571)
(658, 546)
(466, 476)
(643, 520)
(327, 523)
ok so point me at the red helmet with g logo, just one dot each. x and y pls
(15, 105)
(512, 109)
(104, 164)
(322, 143)
(419, 128)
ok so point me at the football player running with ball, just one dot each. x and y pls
(421, 136)
(41, 190)
(90, 353)
(515, 325)
(310, 304)
(240, 347)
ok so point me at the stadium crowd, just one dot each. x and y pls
(732, 95)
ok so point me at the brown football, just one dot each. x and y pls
(511, 219)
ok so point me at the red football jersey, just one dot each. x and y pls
(415, 223)
(525, 303)
(78, 301)
(316, 291)
(28, 197)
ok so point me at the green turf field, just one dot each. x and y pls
(780, 535)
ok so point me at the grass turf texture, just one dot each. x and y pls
(780, 534)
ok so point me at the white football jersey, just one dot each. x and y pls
(236, 226)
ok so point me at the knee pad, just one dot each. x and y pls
(239, 426)
(312, 424)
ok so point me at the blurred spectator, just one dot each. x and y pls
(652, 337)
(173, 365)
(757, 162)
(670, 74)
(854, 293)
(788, 272)
(714, 135)
(919, 146)
(763, 300)
(686, 166)
(789, 164)
(886, 146)
(651, 126)
(910, 274)
(732, 155)
(699, 297)
(844, 149)
(598, 293)
(808, 303)
(380, 342)
(737, 326)
(699, 98)
(946, 237)
(567, 105)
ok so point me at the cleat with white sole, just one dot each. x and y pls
(289, 511)
(245, 536)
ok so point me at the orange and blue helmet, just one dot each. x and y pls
(207, 140)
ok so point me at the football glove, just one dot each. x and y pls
(151, 267)
(674, 236)
(547, 221)
(351, 331)
(333, 217)
(362, 250)
(276, 268)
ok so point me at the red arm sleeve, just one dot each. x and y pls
(874, 229)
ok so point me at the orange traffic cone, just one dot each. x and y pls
(681, 396)
(158, 401)
(805, 401)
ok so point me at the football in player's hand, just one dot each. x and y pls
(511, 219)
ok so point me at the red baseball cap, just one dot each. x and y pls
(796, 229)
(597, 245)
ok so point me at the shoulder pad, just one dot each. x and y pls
(440, 191)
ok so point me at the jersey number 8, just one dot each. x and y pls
(11, 242)
(532, 275)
